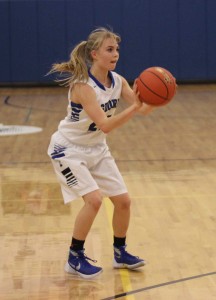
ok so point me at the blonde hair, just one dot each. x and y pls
(76, 69)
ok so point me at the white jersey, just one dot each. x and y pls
(77, 127)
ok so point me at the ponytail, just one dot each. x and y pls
(75, 69)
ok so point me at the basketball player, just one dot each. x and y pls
(78, 150)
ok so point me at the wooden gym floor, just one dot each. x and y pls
(168, 161)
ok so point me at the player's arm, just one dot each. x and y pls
(132, 95)
(85, 95)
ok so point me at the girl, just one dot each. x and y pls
(78, 150)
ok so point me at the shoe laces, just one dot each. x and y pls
(122, 251)
(88, 258)
(81, 254)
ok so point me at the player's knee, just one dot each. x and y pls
(94, 201)
(123, 203)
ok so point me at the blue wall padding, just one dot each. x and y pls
(24, 41)
(210, 41)
(192, 40)
(174, 34)
(5, 45)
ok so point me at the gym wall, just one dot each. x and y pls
(176, 34)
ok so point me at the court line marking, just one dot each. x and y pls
(166, 159)
(174, 196)
(128, 161)
(151, 287)
(7, 102)
(29, 109)
(8, 98)
(124, 274)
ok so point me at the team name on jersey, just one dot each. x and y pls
(106, 107)
(75, 111)
(77, 108)
(110, 104)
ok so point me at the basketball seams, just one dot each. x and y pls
(163, 84)
(156, 86)
(165, 98)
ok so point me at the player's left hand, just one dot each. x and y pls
(144, 108)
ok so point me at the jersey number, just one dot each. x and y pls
(93, 127)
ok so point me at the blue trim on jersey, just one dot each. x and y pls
(112, 78)
(75, 111)
(73, 104)
(58, 151)
(99, 83)
(54, 156)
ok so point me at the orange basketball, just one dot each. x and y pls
(156, 86)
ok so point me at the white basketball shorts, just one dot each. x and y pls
(81, 170)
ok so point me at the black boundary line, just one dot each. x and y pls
(6, 101)
(23, 162)
(166, 159)
(119, 161)
(30, 109)
(7, 98)
(159, 285)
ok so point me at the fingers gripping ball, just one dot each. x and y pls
(156, 86)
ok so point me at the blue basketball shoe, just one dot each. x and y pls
(78, 264)
(124, 260)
